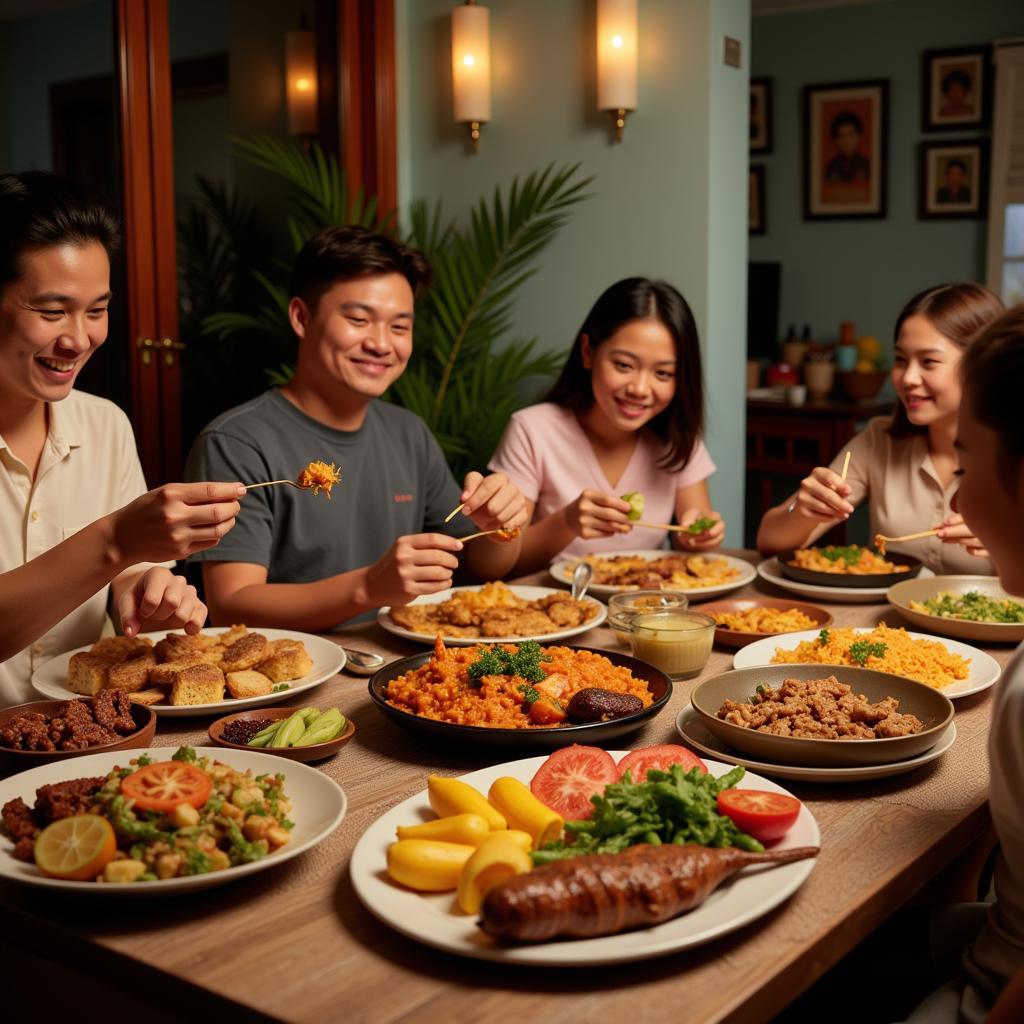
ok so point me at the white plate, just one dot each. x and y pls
(527, 593)
(769, 570)
(984, 669)
(694, 732)
(434, 920)
(50, 679)
(901, 594)
(319, 804)
(562, 569)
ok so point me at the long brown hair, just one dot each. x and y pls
(637, 298)
(958, 312)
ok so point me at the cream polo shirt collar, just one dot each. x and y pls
(63, 433)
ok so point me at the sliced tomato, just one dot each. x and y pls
(765, 816)
(639, 762)
(567, 780)
(164, 785)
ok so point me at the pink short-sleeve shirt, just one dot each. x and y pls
(545, 453)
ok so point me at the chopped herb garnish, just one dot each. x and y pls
(530, 695)
(823, 637)
(701, 525)
(864, 649)
(143, 759)
(850, 554)
(280, 687)
(522, 661)
(184, 754)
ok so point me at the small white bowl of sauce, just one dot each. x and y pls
(623, 608)
(676, 640)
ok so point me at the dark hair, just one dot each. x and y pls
(956, 163)
(954, 76)
(845, 117)
(993, 375)
(348, 251)
(637, 298)
(958, 312)
(38, 210)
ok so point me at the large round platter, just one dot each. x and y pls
(933, 709)
(432, 919)
(50, 679)
(537, 738)
(984, 669)
(562, 569)
(737, 638)
(769, 571)
(921, 590)
(319, 805)
(870, 581)
(526, 593)
(696, 735)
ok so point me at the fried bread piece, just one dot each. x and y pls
(198, 684)
(246, 652)
(131, 675)
(176, 646)
(165, 674)
(248, 683)
(88, 673)
(121, 648)
(153, 695)
(287, 664)
(212, 654)
(232, 635)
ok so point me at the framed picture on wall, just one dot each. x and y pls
(956, 89)
(846, 127)
(952, 180)
(755, 202)
(760, 115)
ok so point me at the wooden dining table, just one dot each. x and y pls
(294, 943)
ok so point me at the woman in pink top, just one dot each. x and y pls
(625, 415)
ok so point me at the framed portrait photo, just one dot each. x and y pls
(953, 180)
(756, 224)
(956, 89)
(760, 115)
(846, 127)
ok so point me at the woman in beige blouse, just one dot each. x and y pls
(904, 464)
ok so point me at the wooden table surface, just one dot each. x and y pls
(295, 944)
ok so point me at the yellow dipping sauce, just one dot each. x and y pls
(676, 641)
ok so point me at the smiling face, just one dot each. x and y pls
(633, 373)
(991, 497)
(358, 337)
(925, 372)
(53, 316)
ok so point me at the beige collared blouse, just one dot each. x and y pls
(905, 495)
(89, 468)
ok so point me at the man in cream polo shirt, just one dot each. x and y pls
(76, 523)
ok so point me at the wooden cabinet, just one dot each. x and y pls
(785, 442)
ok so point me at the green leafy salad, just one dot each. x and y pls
(973, 606)
(673, 806)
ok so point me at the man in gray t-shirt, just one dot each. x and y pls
(305, 562)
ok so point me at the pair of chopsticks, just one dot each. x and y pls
(906, 536)
(270, 483)
(663, 526)
(791, 507)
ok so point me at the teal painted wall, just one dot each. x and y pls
(865, 271)
(669, 202)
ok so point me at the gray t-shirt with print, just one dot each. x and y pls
(394, 481)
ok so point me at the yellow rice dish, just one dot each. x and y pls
(849, 560)
(765, 620)
(883, 649)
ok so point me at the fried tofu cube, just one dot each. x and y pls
(176, 646)
(287, 664)
(248, 683)
(153, 695)
(247, 652)
(213, 654)
(121, 648)
(165, 674)
(198, 684)
(232, 635)
(88, 673)
(131, 675)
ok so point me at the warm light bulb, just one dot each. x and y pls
(617, 42)
(303, 84)
(469, 60)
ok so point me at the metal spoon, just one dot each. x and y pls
(362, 663)
(581, 579)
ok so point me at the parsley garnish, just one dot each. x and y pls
(530, 695)
(184, 754)
(143, 759)
(823, 637)
(280, 688)
(522, 661)
(849, 554)
(701, 525)
(864, 649)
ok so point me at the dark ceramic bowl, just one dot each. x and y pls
(738, 638)
(933, 708)
(12, 761)
(842, 579)
(534, 738)
(313, 752)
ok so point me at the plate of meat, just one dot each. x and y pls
(435, 920)
(495, 613)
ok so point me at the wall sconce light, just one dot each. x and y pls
(616, 60)
(300, 81)
(471, 67)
